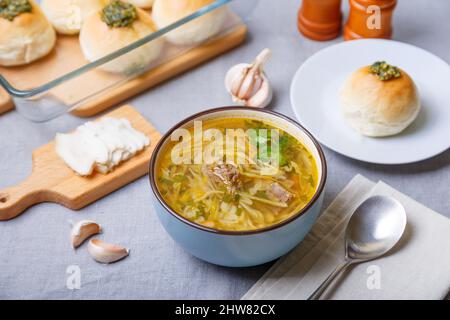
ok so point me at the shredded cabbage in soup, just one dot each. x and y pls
(237, 197)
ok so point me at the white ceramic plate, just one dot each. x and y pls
(315, 100)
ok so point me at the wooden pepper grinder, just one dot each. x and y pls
(320, 19)
(370, 19)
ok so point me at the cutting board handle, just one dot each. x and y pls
(15, 200)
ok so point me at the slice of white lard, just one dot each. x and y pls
(100, 146)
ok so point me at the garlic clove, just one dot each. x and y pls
(234, 78)
(105, 252)
(82, 230)
(247, 83)
(263, 96)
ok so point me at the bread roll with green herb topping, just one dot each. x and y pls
(166, 12)
(116, 26)
(379, 103)
(25, 33)
(67, 16)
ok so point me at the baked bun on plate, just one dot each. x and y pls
(379, 104)
(25, 33)
(67, 16)
(166, 12)
(117, 25)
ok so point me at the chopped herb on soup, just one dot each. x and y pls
(229, 195)
(9, 9)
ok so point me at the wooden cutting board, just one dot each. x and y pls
(51, 180)
(67, 56)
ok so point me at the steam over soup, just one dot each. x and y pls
(277, 179)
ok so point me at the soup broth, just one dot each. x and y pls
(236, 196)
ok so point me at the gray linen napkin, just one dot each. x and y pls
(417, 268)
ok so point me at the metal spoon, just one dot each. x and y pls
(374, 228)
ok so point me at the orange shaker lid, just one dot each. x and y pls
(320, 19)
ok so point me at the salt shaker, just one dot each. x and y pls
(320, 19)
(369, 19)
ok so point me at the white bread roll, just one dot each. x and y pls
(166, 12)
(67, 16)
(97, 40)
(145, 4)
(26, 38)
(377, 108)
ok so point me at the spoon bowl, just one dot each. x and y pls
(375, 227)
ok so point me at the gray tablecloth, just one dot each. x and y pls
(35, 254)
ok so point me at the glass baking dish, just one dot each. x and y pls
(64, 82)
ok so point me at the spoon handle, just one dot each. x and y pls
(320, 290)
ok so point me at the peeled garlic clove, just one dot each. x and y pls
(83, 230)
(248, 84)
(105, 252)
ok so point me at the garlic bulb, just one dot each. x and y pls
(83, 230)
(106, 253)
(248, 84)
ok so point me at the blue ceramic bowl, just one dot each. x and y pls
(241, 248)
